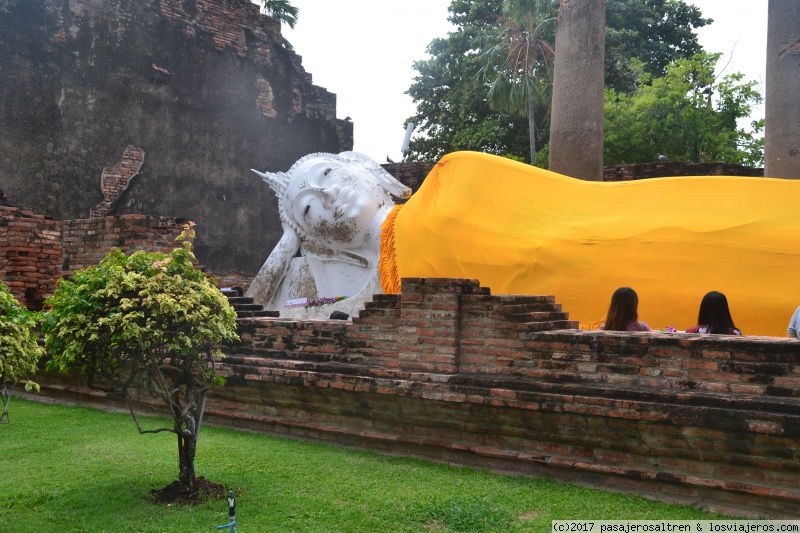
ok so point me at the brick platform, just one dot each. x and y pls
(450, 372)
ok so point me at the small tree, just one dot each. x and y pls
(19, 348)
(689, 114)
(520, 65)
(147, 322)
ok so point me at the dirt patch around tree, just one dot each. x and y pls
(176, 493)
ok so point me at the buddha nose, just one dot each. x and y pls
(330, 194)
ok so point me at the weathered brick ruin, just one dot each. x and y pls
(108, 144)
(676, 168)
(450, 372)
(30, 254)
(35, 251)
(158, 108)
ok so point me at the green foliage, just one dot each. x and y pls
(135, 310)
(654, 33)
(471, 514)
(453, 99)
(453, 112)
(688, 114)
(282, 10)
(519, 67)
(82, 471)
(145, 322)
(19, 349)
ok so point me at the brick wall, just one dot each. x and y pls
(86, 241)
(35, 252)
(448, 371)
(227, 23)
(114, 180)
(676, 168)
(344, 130)
(30, 254)
(412, 174)
(234, 279)
(205, 88)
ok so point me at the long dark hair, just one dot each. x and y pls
(715, 315)
(623, 310)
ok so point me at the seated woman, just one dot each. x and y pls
(794, 324)
(715, 316)
(623, 313)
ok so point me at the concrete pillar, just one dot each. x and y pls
(576, 125)
(782, 98)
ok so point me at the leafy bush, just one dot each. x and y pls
(147, 322)
(19, 350)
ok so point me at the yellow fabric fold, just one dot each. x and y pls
(387, 266)
(523, 230)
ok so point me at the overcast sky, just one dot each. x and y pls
(363, 51)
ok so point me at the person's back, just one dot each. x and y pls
(638, 325)
(623, 312)
(707, 329)
(714, 316)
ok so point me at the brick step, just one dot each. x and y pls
(244, 306)
(235, 300)
(533, 316)
(232, 291)
(247, 306)
(527, 307)
(551, 325)
(257, 313)
(521, 299)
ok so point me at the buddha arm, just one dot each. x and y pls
(274, 268)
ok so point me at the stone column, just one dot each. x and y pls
(576, 125)
(782, 99)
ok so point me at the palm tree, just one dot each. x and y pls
(284, 12)
(520, 65)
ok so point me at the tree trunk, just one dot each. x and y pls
(532, 127)
(782, 106)
(188, 441)
(576, 125)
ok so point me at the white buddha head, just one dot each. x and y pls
(334, 199)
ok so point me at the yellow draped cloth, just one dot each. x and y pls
(523, 230)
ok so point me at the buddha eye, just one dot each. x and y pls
(308, 207)
(327, 171)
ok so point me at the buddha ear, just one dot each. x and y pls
(389, 183)
(277, 181)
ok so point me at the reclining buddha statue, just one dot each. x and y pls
(331, 208)
(519, 229)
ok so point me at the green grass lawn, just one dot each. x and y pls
(70, 469)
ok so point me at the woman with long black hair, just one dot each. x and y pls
(714, 316)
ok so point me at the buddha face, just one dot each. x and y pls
(335, 202)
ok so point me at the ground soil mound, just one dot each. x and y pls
(179, 493)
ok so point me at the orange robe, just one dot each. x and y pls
(523, 230)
